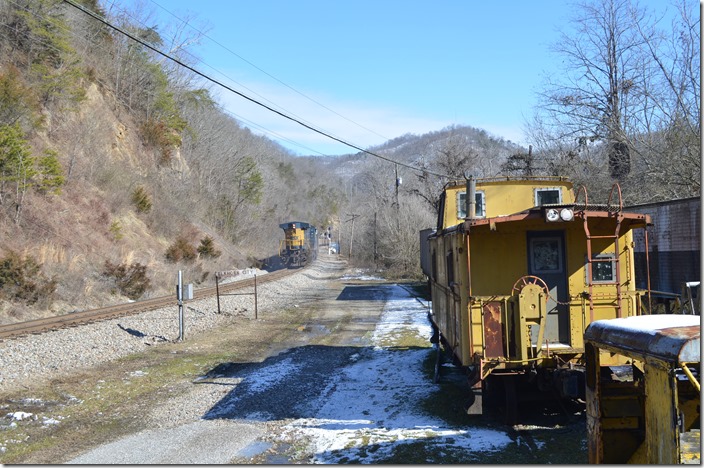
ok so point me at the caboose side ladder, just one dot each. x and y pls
(615, 261)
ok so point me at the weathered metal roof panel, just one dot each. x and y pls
(668, 337)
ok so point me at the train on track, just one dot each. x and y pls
(299, 245)
(518, 269)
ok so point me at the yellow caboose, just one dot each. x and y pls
(519, 269)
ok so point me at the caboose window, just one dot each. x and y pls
(479, 210)
(547, 196)
(450, 268)
(434, 265)
(603, 268)
(545, 255)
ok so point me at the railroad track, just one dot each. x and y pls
(73, 319)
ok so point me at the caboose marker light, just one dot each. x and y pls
(566, 214)
(552, 215)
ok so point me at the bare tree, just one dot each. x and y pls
(452, 157)
(603, 63)
(398, 240)
(629, 95)
(671, 146)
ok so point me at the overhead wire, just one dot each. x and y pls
(179, 62)
(196, 59)
(239, 117)
(270, 75)
(245, 96)
(271, 132)
(49, 45)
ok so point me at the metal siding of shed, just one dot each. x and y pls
(674, 241)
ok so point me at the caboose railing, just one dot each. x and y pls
(616, 188)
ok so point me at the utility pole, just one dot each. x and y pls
(354, 216)
(398, 207)
(398, 182)
(376, 253)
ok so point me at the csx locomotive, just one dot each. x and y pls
(517, 271)
(299, 243)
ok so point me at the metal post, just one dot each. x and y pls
(470, 197)
(376, 251)
(179, 297)
(398, 206)
(354, 216)
(217, 291)
(255, 298)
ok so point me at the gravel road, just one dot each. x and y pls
(235, 410)
(336, 369)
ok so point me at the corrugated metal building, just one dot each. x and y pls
(674, 243)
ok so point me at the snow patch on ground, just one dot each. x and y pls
(19, 415)
(272, 375)
(361, 275)
(395, 387)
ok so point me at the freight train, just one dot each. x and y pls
(517, 271)
(299, 245)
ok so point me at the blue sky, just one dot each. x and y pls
(368, 71)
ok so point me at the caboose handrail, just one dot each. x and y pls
(689, 374)
(620, 198)
(580, 189)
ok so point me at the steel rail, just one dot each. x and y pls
(73, 319)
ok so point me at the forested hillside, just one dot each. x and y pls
(117, 171)
(118, 167)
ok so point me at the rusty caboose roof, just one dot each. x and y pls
(636, 220)
(671, 338)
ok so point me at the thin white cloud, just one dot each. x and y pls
(360, 123)
(363, 124)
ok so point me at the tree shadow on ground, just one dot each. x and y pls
(296, 386)
(280, 387)
(379, 292)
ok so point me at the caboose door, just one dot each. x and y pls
(546, 260)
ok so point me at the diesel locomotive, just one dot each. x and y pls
(300, 244)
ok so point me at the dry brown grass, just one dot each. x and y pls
(70, 234)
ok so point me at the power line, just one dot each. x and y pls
(239, 117)
(269, 108)
(270, 75)
(281, 137)
(197, 59)
(253, 124)
(49, 45)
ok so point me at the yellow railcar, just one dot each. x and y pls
(647, 411)
(519, 269)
